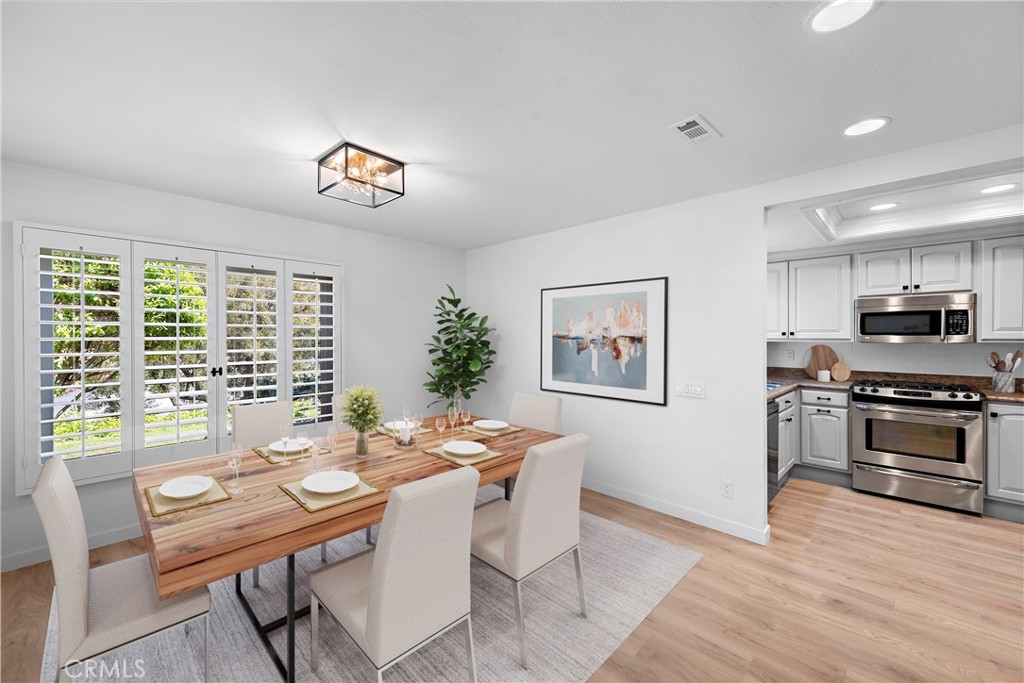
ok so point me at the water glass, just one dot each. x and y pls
(439, 423)
(302, 438)
(235, 463)
(465, 418)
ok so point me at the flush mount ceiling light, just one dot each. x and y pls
(884, 207)
(866, 126)
(355, 174)
(839, 14)
(998, 188)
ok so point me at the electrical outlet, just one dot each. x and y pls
(790, 354)
(726, 488)
(690, 388)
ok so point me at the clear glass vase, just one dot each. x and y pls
(362, 444)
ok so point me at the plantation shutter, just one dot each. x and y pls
(76, 351)
(314, 334)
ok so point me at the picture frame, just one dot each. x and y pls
(607, 340)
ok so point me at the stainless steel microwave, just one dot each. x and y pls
(947, 318)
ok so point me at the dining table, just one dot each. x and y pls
(262, 523)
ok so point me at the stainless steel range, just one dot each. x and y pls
(920, 441)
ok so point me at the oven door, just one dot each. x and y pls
(948, 443)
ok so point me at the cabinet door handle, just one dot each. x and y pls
(917, 286)
(824, 398)
(993, 414)
(822, 410)
(906, 287)
(783, 334)
(789, 419)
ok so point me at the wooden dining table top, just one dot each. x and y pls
(197, 546)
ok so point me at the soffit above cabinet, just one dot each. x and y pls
(949, 204)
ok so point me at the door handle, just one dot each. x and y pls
(822, 410)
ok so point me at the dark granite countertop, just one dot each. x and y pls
(795, 378)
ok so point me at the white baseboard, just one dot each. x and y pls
(42, 553)
(747, 533)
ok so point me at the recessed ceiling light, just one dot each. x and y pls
(866, 126)
(883, 207)
(839, 14)
(998, 188)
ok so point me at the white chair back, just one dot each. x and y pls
(56, 501)
(544, 516)
(259, 424)
(420, 577)
(536, 411)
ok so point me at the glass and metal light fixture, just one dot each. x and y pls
(361, 176)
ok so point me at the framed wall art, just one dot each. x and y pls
(607, 340)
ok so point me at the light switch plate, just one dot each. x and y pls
(690, 388)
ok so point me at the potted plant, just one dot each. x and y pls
(362, 410)
(461, 353)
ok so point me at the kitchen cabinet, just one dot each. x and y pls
(1004, 478)
(824, 430)
(1002, 290)
(777, 304)
(936, 268)
(789, 432)
(817, 295)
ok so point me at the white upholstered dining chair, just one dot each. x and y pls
(540, 524)
(536, 411)
(414, 585)
(103, 608)
(259, 424)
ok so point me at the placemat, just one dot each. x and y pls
(463, 459)
(162, 505)
(319, 501)
(275, 458)
(511, 429)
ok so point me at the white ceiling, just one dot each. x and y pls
(516, 119)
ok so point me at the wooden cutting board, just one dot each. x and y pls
(822, 358)
(841, 371)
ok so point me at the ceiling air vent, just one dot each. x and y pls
(696, 130)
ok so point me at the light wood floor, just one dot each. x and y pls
(851, 588)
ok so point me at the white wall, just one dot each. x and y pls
(712, 249)
(390, 288)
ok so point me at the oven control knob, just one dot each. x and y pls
(952, 395)
(875, 390)
(968, 396)
(863, 389)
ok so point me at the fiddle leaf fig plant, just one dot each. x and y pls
(461, 353)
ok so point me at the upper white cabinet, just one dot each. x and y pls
(883, 272)
(820, 302)
(940, 268)
(1002, 289)
(777, 306)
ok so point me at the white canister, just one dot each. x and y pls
(824, 376)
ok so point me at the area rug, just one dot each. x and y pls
(627, 574)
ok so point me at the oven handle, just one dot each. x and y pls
(942, 324)
(927, 477)
(964, 417)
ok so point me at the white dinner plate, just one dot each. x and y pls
(334, 481)
(464, 448)
(181, 488)
(491, 425)
(399, 424)
(290, 446)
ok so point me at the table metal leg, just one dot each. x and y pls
(262, 630)
(508, 488)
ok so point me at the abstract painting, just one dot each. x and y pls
(606, 340)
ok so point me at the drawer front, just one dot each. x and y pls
(839, 399)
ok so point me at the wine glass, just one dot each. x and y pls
(406, 413)
(332, 438)
(439, 423)
(417, 420)
(453, 419)
(286, 432)
(235, 463)
(302, 439)
(465, 417)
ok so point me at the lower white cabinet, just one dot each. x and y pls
(824, 431)
(1005, 435)
(789, 439)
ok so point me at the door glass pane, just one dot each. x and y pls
(175, 358)
(938, 442)
(250, 316)
(79, 353)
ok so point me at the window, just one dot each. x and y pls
(134, 352)
(312, 335)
